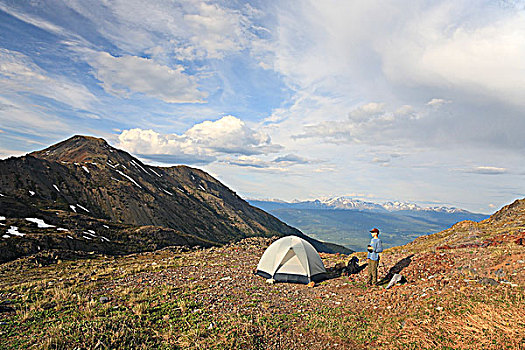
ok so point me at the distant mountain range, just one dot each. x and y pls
(84, 195)
(348, 203)
(346, 221)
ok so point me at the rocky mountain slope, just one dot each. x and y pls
(91, 196)
(464, 289)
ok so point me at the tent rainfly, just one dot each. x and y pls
(291, 259)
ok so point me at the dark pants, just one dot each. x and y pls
(372, 271)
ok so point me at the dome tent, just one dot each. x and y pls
(291, 259)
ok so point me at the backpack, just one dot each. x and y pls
(353, 266)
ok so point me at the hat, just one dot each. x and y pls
(375, 230)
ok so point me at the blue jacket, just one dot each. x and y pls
(378, 248)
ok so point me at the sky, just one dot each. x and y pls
(414, 101)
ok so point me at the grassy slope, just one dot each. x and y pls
(210, 299)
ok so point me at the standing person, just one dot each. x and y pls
(375, 247)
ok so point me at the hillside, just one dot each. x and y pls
(506, 225)
(90, 196)
(464, 290)
(347, 222)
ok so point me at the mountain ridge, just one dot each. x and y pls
(349, 203)
(86, 177)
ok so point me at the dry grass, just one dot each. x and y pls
(165, 300)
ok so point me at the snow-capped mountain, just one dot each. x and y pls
(349, 203)
(398, 206)
(347, 221)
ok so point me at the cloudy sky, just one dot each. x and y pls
(419, 101)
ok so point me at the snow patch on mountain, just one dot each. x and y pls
(349, 203)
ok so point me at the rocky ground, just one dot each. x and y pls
(469, 297)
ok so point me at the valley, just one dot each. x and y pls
(348, 223)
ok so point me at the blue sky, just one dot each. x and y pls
(417, 101)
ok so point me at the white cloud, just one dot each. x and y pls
(291, 159)
(445, 46)
(191, 29)
(381, 161)
(248, 161)
(19, 74)
(365, 80)
(128, 74)
(487, 170)
(437, 102)
(367, 49)
(231, 135)
(6, 153)
(203, 143)
(340, 55)
(35, 21)
(216, 30)
(279, 164)
(20, 118)
(256, 164)
(369, 123)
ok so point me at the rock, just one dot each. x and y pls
(104, 300)
(488, 281)
(395, 279)
(499, 273)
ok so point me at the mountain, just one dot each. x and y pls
(346, 221)
(99, 198)
(348, 203)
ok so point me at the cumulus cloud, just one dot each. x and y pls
(367, 111)
(130, 74)
(203, 143)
